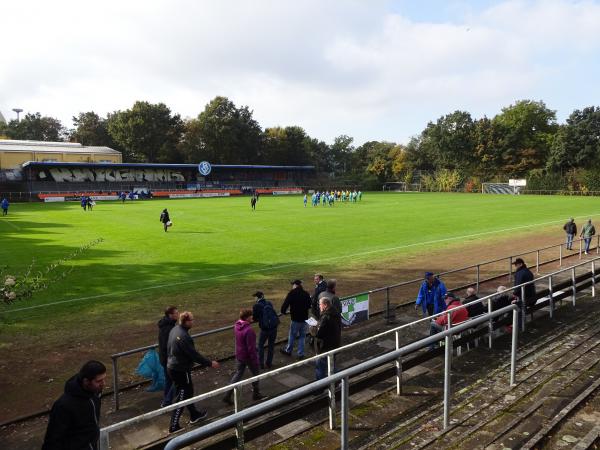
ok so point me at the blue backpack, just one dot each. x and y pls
(269, 319)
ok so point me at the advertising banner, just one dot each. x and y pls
(54, 199)
(355, 309)
(288, 192)
(200, 194)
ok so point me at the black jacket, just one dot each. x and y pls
(165, 325)
(329, 330)
(570, 227)
(321, 287)
(523, 275)
(475, 309)
(298, 300)
(182, 352)
(74, 419)
(164, 217)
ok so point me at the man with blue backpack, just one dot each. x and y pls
(264, 313)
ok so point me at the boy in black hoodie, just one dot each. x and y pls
(75, 417)
(165, 325)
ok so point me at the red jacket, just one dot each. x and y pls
(460, 314)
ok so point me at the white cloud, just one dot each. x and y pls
(333, 67)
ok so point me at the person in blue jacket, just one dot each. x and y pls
(431, 295)
(5, 206)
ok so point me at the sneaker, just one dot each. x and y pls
(257, 396)
(177, 429)
(201, 416)
(285, 352)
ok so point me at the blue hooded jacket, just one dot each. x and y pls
(433, 295)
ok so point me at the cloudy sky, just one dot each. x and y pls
(371, 69)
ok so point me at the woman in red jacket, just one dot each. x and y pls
(458, 314)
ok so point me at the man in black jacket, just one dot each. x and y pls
(182, 356)
(523, 275)
(320, 286)
(268, 334)
(329, 334)
(75, 417)
(571, 229)
(298, 300)
(165, 325)
(476, 309)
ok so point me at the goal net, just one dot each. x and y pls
(400, 186)
(499, 188)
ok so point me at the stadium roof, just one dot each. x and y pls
(52, 147)
(158, 166)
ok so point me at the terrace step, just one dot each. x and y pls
(488, 414)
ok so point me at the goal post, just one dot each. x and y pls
(512, 187)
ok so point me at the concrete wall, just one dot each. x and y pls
(11, 159)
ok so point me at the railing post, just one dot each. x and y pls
(593, 278)
(447, 367)
(387, 303)
(104, 443)
(537, 261)
(115, 364)
(478, 278)
(551, 298)
(490, 324)
(510, 269)
(398, 367)
(523, 309)
(574, 287)
(239, 427)
(560, 256)
(513, 350)
(580, 247)
(598, 246)
(331, 391)
(345, 413)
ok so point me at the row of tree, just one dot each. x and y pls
(522, 138)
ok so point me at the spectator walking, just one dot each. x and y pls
(5, 206)
(298, 301)
(330, 294)
(164, 218)
(182, 356)
(459, 314)
(476, 309)
(571, 229)
(587, 232)
(165, 325)
(264, 313)
(328, 334)
(245, 354)
(320, 286)
(431, 295)
(74, 421)
(84, 202)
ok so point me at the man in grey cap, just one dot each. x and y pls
(571, 229)
(298, 300)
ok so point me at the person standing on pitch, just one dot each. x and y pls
(571, 229)
(75, 417)
(5, 206)
(253, 202)
(298, 300)
(431, 295)
(587, 232)
(164, 218)
(181, 359)
(245, 354)
(165, 325)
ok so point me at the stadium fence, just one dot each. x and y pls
(473, 275)
(556, 291)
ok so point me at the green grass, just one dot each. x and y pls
(221, 242)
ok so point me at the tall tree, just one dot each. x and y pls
(91, 129)
(147, 133)
(338, 157)
(577, 144)
(35, 127)
(228, 134)
(527, 130)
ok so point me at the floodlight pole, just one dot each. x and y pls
(18, 111)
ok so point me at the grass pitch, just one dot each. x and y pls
(221, 241)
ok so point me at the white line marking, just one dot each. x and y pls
(8, 222)
(282, 266)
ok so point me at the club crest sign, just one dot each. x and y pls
(204, 168)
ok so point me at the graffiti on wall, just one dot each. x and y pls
(76, 175)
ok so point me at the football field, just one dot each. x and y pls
(119, 253)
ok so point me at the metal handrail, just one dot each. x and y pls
(330, 354)
(234, 419)
(115, 357)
